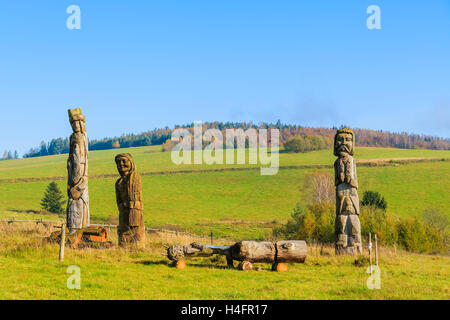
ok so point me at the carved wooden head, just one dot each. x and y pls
(77, 120)
(344, 142)
(125, 164)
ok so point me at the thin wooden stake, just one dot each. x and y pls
(376, 251)
(212, 242)
(62, 242)
(370, 252)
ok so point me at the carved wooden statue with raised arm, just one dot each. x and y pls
(77, 167)
(347, 227)
(131, 228)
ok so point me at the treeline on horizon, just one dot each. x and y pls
(364, 138)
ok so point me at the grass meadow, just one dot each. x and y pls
(144, 274)
(151, 159)
(234, 205)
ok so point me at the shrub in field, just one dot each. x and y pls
(435, 218)
(315, 220)
(53, 199)
(374, 198)
(315, 223)
(376, 221)
(412, 235)
(325, 215)
(438, 221)
(426, 234)
(312, 222)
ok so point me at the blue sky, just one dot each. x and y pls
(137, 65)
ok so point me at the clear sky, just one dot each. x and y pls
(138, 65)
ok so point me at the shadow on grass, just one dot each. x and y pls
(150, 262)
(170, 265)
(206, 266)
(27, 211)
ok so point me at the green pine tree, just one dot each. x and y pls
(53, 199)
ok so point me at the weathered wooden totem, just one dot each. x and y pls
(347, 225)
(77, 168)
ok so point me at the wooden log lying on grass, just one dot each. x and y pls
(246, 252)
(291, 251)
(177, 252)
(253, 251)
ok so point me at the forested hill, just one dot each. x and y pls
(364, 137)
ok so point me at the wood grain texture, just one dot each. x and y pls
(253, 251)
(291, 251)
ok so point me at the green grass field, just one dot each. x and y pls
(145, 274)
(235, 205)
(232, 204)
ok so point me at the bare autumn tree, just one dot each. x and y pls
(319, 187)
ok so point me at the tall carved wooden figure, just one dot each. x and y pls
(131, 230)
(347, 226)
(77, 168)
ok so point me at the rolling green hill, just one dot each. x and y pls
(232, 204)
(151, 159)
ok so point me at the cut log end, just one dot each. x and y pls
(245, 266)
(180, 264)
(279, 267)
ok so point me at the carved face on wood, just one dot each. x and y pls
(123, 166)
(344, 143)
(78, 126)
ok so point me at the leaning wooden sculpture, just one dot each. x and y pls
(246, 252)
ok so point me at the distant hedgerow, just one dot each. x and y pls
(306, 143)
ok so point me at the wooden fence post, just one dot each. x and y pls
(376, 251)
(62, 242)
(370, 253)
